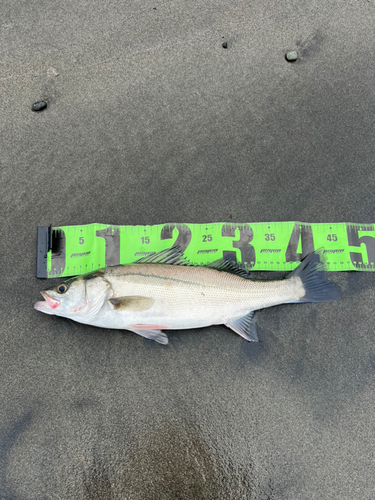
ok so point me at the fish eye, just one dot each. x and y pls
(62, 288)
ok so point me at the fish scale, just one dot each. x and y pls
(201, 287)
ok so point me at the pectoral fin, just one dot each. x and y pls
(151, 334)
(131, 303)
(245, 327)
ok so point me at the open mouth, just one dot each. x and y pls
(48, 305)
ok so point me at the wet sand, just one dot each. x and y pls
(151, 120)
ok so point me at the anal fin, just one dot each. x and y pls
(150, 333)
(245, 327)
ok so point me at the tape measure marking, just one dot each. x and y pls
(268, 246)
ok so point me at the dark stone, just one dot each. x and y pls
(39, 106)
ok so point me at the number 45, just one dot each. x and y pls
(332, 237)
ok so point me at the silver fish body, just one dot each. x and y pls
(148, 297)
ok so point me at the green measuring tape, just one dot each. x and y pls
(267, 246)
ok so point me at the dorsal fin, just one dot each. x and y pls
(228, 267)
(174, 256)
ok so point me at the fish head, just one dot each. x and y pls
(62, 299)
(81, 296)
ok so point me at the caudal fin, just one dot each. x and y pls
(317, 287)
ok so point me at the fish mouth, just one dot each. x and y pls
(48, 305)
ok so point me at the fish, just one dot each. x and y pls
(164, 291)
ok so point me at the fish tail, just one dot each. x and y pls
(316, 287)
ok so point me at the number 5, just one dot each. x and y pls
(355, 241)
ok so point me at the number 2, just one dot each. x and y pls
(184, 235)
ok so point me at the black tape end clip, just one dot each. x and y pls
(44, 245)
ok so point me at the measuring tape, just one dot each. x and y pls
(266, 246)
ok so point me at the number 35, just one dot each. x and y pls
(269, 237)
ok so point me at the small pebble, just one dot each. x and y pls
(39, 106)
(51, 72)
(291, 56)
(225, 45)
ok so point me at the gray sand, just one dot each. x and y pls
(151, 120)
